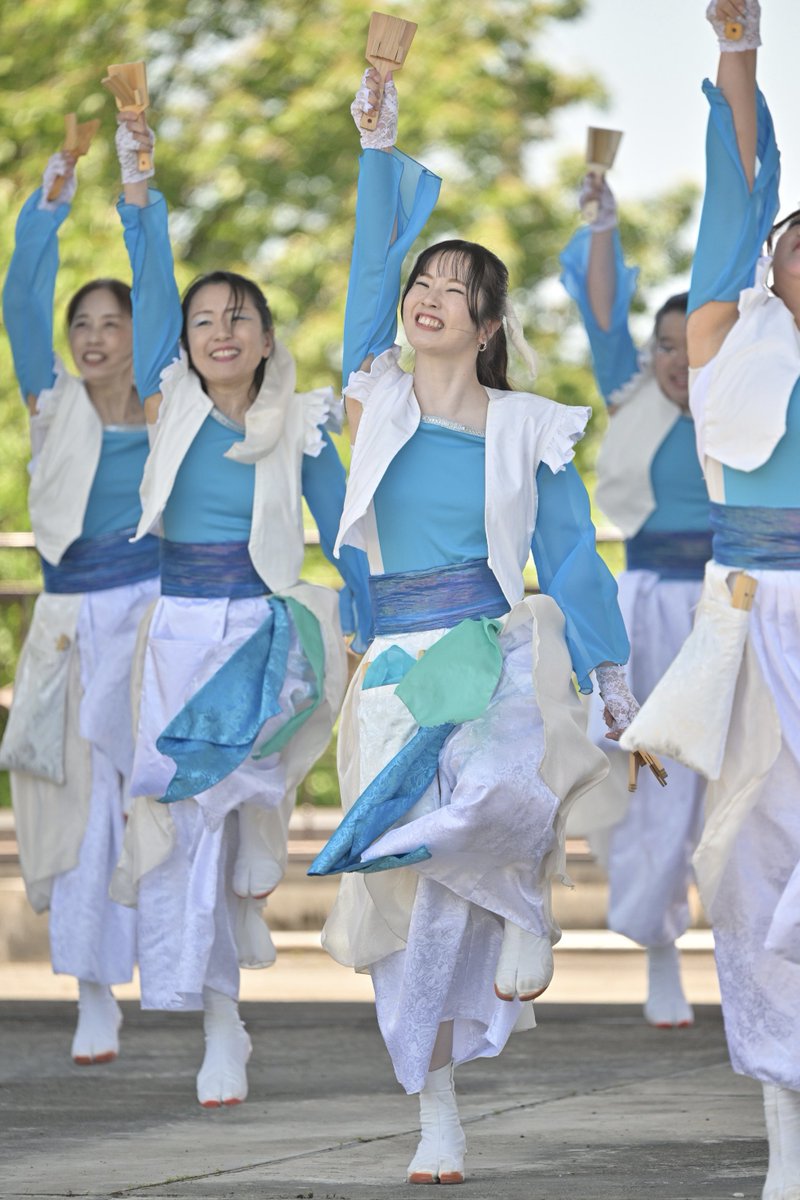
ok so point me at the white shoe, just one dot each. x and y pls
(666, 1006)
(440, 1153)
(222, 1079)
(782, 1113)
(525, 965)
(256, 871)
(96, 1037)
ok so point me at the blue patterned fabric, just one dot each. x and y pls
(390, 796)
(94, 564)
(670, 555)
(216, 729)
(209, 571)
(435, 599)
(766, 539)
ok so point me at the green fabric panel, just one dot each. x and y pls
(310, 636)
(455, 680)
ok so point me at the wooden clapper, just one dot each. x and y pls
(77, 140)
(127, 83)
(388, 42)
(601, 150)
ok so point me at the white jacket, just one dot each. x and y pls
(522, 431)
(280, 427)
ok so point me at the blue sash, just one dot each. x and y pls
(209, 571)
(411, 601)
(95, 563)
(762, 538)
(678, 555)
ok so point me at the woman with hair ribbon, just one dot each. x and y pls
(68, 743)
(461, 743)
(242, 668)
(649, 483)
(744, 356)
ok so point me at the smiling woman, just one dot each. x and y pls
(68, 741)
(460, 745)
(242, 670)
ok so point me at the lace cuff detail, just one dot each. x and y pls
(750, 36)
(617, 697)
(568, 429)
(322, 410)
(361, 384)
(58, 168)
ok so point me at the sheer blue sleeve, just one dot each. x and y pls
(735, 220)
(323, 487)
(157, 317)
(573, 573)
(614, 356)
(396, 195)
(28, 294)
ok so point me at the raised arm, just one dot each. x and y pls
(742, 175)
(157, 316)
(596, 277)
(396, 195)
(31, 280)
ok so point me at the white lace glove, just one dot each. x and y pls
(385, 132)
(606, 204)
(57, 165)
(746, 13)
(128, 150)
(620, 703)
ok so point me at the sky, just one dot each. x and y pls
(652, 56)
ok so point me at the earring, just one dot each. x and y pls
(481, 347)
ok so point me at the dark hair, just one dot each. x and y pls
(118, 289)
(792, 219)
(677, 303)
(486, 280)
(242, 289)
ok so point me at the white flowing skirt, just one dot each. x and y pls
(757, 906)
(193, 930)
(92, 937)
(430, 934)
(653, 832)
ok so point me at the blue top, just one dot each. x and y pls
(676, 476)
(429, 510)
(212, 497)
(114, 496)
(733, 227)
(156, 345)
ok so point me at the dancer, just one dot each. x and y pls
(745, 395)
(461, 734)
(68, 742)
(650, 484)
(243, 670)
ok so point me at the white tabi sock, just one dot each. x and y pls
(222, 1079)
(666, 1006)
(782, 1113)
(525, 965)
(96, 1037)
(440, 1153)
(256, 871)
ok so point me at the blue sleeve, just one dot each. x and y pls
(28, 294)
(573, 573)
(396, 195)
(157, 316)
(614, 356)
(323, 487)
(735, 221)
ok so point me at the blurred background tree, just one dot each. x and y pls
(256, 155)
